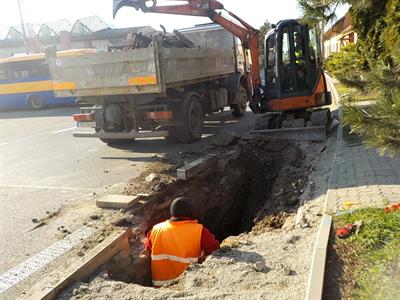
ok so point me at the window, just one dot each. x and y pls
(285, 46)
(30, 68)
(3, 72)
(271, 52)
(46, 32)
(299, 44)
(38, 68)
(80, 29)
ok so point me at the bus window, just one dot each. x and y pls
(19, 70)
(3, 72)
(38, 68)
(34, 68)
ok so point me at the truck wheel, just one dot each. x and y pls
(36, 102)
(172, 135)
(193, 120)
(239, 109)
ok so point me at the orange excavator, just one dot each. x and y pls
(294, 89)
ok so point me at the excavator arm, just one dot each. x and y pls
(248, 35)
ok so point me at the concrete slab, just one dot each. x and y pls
(190, 170)
(117, 201)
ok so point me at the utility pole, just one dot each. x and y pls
(22, 25)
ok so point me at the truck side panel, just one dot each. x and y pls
(106, 73)
(182, 65)
(139, 71)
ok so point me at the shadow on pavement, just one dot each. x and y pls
(213, 124)
(49, 112)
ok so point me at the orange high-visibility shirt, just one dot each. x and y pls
(175, 245)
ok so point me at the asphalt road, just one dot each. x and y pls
(44, 168)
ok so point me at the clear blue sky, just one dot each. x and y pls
(254, 12)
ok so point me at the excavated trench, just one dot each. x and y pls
(255, 185)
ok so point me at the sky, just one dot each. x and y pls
(254, 12)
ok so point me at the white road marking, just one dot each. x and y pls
(41, 187)
(43, 258)
(66, 129)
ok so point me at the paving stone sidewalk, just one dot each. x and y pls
(363, 178)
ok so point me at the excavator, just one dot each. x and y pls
(294, 89)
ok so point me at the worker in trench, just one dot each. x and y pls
(177, 242)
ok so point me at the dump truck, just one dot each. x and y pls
(156, 91)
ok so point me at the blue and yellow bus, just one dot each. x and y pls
(25, 81)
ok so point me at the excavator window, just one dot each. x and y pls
(314, 56)
(270, 62)
(287, 64)
(293, 60)
(300, 58)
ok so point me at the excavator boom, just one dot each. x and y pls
(248, 35)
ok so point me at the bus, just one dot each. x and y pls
(25, 81)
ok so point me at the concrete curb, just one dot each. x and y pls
(316, 278)
(81, 268)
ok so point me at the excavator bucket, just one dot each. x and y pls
(136, 4)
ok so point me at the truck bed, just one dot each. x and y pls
(140, 71)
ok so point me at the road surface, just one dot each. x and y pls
(43, 168)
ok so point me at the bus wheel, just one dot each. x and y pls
(36, 102)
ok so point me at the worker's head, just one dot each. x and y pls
(181, 207)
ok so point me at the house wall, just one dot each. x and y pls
(338, 40)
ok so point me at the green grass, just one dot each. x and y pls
(377, 251)
(355, 95)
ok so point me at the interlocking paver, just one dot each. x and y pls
(364, 178)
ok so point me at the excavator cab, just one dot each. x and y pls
(293, 68)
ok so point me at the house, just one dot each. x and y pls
(340, 34)
(54, 29)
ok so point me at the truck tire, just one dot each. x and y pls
(193, 119)
(239, 109)
(172, 135)
(36, 102)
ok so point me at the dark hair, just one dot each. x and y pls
(181, 207)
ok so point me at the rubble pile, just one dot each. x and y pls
(168, 40)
